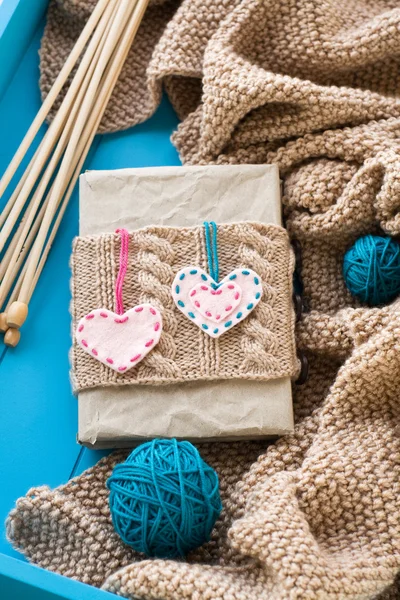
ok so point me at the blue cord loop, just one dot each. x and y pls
(212, 249)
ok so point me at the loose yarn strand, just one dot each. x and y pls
(212, 249)
(215, 251)
(123, 266)
(208, 249)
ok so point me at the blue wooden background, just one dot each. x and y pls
(38, 422)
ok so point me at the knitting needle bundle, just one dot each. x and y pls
(33, 213)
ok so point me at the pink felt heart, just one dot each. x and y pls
(209, 305)
(215, 304)
(120, 341)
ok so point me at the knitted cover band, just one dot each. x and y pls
(262, 347)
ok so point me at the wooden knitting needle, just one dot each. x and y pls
(18, 188)
(93, 125)
(86, 141)
(6, 259)
(124, 10)
(55, 128)
(112, 74)
(54, 92)
(18, 248)
(10, 269)
(11, 247)
(15, 260)
(12, 334)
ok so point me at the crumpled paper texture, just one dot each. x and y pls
(175, 198)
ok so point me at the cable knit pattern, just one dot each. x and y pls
(155, 258)
(261, 347)
(259, 342)
(312, 86)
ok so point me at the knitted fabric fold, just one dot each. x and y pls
(312, 86)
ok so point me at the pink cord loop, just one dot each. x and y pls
(123, 266)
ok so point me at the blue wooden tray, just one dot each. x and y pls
(38, 411)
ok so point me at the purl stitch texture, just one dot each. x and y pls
(316, 515)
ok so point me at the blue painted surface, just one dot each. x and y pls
(38, 411)
(19, 20)
(20, 581)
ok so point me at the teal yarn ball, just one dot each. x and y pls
(371, 269)
(164, 499)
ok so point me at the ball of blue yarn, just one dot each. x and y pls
(371, 269)
(164, 499)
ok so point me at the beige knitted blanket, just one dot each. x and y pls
(312, 85)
